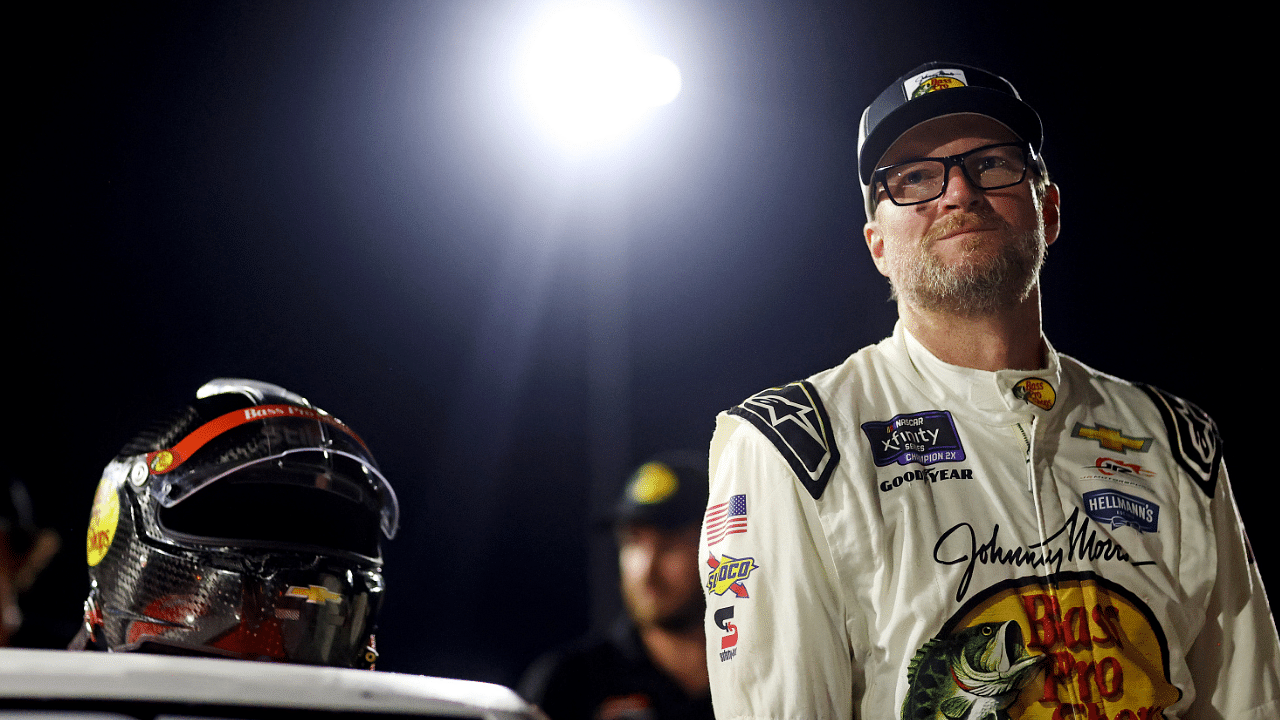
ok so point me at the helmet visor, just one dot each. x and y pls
(275, 441)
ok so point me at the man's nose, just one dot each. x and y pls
(959, 191)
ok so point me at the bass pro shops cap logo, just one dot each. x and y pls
(932, 81)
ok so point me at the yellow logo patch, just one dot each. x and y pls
(161, 461)
(1111, 438)
(103, 520)
(1037, 392)
(653, 483)
(314, 594)
(727, 574)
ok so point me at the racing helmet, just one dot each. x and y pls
(248, 525)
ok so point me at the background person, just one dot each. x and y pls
(25, 550)
(959, 521)
(651, 664)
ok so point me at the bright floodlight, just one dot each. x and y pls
(585, 76)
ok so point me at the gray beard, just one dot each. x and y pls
(974, 288)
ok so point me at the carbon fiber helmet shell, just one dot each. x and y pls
(247, 526)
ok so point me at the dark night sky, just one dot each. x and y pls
(342, 198)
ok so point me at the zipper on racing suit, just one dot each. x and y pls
(1029, 456)
(1027, 429)
(1028, 451)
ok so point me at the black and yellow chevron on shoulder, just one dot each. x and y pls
(1193, 437)
(794, 420)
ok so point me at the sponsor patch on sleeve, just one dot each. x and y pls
(728, 573)
(794, 420)
(924, 438)
(1193, 437)
(726, 518)
(728, 641)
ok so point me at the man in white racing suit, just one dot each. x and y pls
(959, 522)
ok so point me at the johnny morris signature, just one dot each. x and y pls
(1075, 540)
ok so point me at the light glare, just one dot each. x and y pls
(585, 77)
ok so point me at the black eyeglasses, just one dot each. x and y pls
(989, 167)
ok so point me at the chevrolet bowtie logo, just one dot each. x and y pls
(315, 594)
(1111, 438)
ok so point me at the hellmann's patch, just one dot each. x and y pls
(1114, 508)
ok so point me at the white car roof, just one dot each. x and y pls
(168, 686)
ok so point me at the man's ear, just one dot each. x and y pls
(875, 244)
(1051, 211)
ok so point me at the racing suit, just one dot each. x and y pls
(901, 537)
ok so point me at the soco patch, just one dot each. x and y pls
(727, 574)
(926, 438)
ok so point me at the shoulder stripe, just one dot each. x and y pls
(1193, 437)
(793, 418)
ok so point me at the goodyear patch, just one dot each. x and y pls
(1114, 508)
(793, 418)
(728, 573)
(924, 438)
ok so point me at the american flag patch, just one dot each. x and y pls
(726, 519)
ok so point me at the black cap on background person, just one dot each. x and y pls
(669, 491)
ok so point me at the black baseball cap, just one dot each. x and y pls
(932, 90)
(669, 491)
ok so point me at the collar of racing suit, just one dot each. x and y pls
(991, 394)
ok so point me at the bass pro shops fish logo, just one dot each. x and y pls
(1068, 646)
(975, 673)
